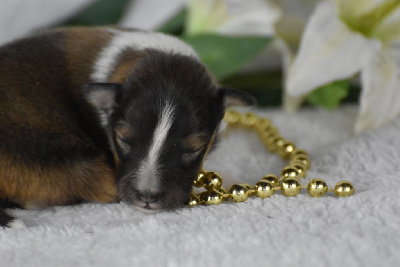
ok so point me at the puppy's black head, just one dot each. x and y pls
(161, 123)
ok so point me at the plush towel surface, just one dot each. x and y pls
(362, 230)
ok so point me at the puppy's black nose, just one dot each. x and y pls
(149, 197)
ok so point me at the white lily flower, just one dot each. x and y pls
(345, 37)
(236, 18)
(150, 14)
(232, 17)
(288, 32)
(283, 19)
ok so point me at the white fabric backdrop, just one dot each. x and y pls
(361, 230)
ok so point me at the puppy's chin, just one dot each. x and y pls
(152, 207)
(144, 207)
(146, 210)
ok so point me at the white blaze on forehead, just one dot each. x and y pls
(139, 41)
(148, 174)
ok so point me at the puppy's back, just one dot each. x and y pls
(52, 150)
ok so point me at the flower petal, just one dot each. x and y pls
(291, 24)
(233, 17)
(351, 10)
(380, 98)
(388, 30)
(149, 15)
(290, 103)
(288, 30)
(329, 51)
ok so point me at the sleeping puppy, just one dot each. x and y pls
(105, 114)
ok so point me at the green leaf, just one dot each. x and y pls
(100, 12)
(225, 55)
(329, 96)
(175, 24)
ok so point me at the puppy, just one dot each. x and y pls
(105, 114)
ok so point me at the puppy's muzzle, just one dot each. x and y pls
(149, 197)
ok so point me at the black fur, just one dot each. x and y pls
(50, 119)
(184, 82)
(5, 218)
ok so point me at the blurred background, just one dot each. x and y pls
(248, 45)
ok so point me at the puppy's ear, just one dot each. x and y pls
(104, 98)
(232, 97)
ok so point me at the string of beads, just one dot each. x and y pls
(288, 182)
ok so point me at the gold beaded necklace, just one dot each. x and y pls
(288, 182)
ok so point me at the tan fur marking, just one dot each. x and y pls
(196, 141)
(22, 113)
(83, 46)
(123, 131)
(90, 181)
(116, 159)
(127, 61)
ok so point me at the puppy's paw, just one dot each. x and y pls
(8, 221)
(16, 224)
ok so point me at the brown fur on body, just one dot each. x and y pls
(52, 151)
(100, 114)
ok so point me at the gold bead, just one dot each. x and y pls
(301, 169)
(194, 200)
(299, 152)
(263, 125)
(298, 162)
(250, 189)
(273, 129)
(222, 190)
(212, 180)
(268, 132)
(304, 160)
(238, 193)
(275, 143)
(199, 182)
(248, 119)
(290, 187)
(317, 187)
(272, 179)
(266, 137)
(232, 117)
(289, 172)
(287, 149)
(212, 197)
(248, 186)
(264, 189)
(344, 189)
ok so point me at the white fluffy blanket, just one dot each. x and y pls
(362, 230)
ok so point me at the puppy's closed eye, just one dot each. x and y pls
(194, 144)
(123, 145)
(122, 134)
(189, 157)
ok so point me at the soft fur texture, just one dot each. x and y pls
(65, 139)
(362, 230)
